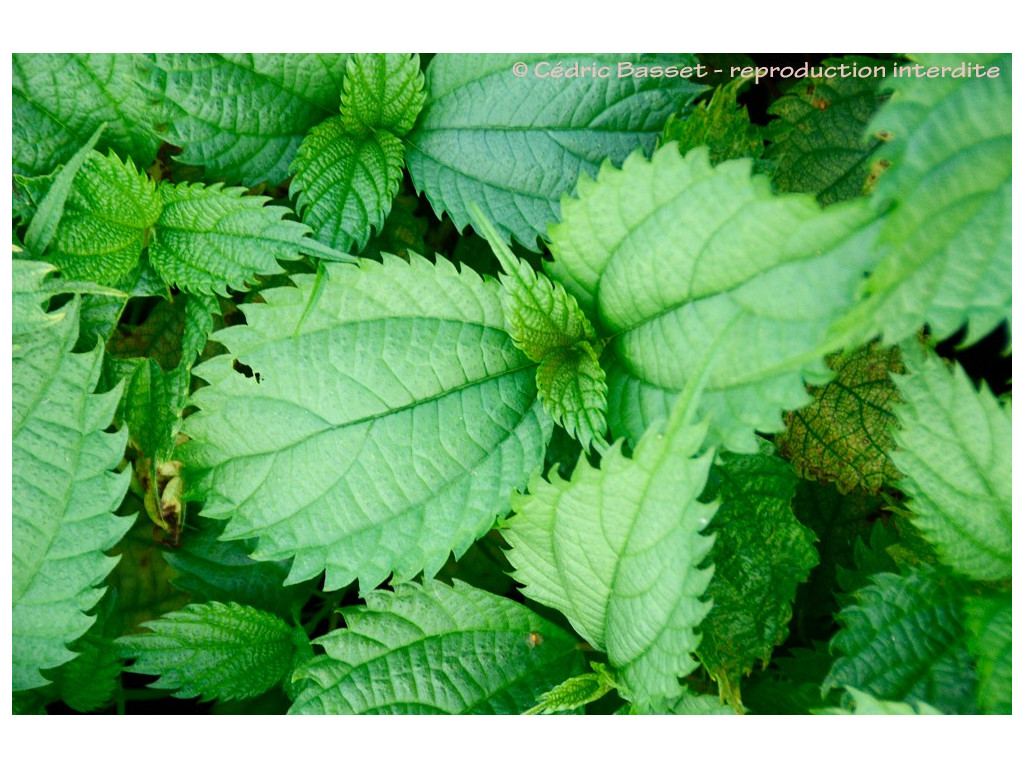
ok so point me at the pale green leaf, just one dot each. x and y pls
(819, 144)
(345, 183)
(515, 142)
(989, 622)
(863, 703)
(954, 450)
(64, 491)
(946, 235)
(845, 435)
(60, 99)
(242, 115)
(107, 216)
(215, 651)
(618, 551)
(904, 640)
(435, 649)
(576, 692)
(381, 91)
(693, 271)
(547, 324)
(761, 554)
(689, 703)
(386, 420)
(210, 238)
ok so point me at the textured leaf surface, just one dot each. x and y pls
(215, 650)
(62, 485)
(60, 99)
(242, 115)
(989, 621)
(576, 692)
(516, 145)
(947, 237)
(435, 649)
(697, 271)
(101, 234)
(346, 183)
(547, 324)
(382, 91)
(863, 703)
(617, 550)
(903, 640)
(210, 239)
(721, 124)
(88, 682)
(820, 145)
(845, 435)
(387, 420)
(761, 554)
(954, 449)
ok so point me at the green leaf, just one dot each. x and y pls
(345, 183)
(105, 223)
(617, 550)
(147, 413)
(721, 124)
(693, 271)
(904, 640)
(242, 115)
(989, 621)
(386, 420)
(516, 144)
(60, 99)
(576, 692)
(215, 651)
(946, 237)
(381, 92)
(819, 144)
(761, 554)
(689, 703)
(210, 238)
(863, 703)
(63, 488)
(549, 327)
(435, 649)
(88, 682)
(29, 191)
(53, 197)
(212, 570)
(845, 435)
(954, 449)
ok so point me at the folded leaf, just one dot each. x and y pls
(64, 491)
(690, 270)
(60, 99)
(954, 450)
(242, 115)
(385, 419)
(435, 649)
(215, 651)
(381, 92)
(516, 141)
(618, 551)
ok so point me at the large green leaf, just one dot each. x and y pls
(210, 238)
(60, 99)
(761, 554)
(819, 144)
(64, 491)
(435, 649)
(618, 551)
(954, 449)
(946, 235)
(497, 131)
(845, 435)
(697, 271)
(242, 115)
(904, 640)
(386, 417)
(107, 216)
(216, 650)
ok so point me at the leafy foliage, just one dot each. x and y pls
(395, 655)
(721, 124)
(988, 620)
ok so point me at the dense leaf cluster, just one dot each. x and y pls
(288, 435)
